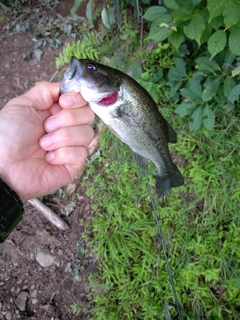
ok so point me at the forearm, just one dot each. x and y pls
(11, 210)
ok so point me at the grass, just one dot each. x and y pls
(200, 223)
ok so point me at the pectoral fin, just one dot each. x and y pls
(125, 117)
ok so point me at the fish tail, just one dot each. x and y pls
(172, 180)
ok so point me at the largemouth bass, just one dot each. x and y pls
(130, 112)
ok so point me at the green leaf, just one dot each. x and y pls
(206, 65)
(206, 34)
(188, 94)
(234, 43)
(217, 42)
(234, 94)
(217, 22)
(184, 108)
(195, 84)
(195, 28)
(136, 70)
(107, 17)
(211, 86)
(215, 8)
(231, 15)
(184, 12)
(171, 4)
(178, 72)
(153, 13)
(197, 118)
(176, 38)
(228, 85)
(236, 71)
(160, 28)
(77, 4)
(89, 12)
(208, 117)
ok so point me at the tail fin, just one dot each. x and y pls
(173, 179)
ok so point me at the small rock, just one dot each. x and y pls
(33, 294)
(44, 259)
(34, 301)
(8, 316)
(21, 300)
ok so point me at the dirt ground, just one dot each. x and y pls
(27, 289)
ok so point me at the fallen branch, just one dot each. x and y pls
(49, 214)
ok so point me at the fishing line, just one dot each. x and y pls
(149, 188)
(113, 37)
(163, 246)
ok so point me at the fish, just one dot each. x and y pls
(130, 112)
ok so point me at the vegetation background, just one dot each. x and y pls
(186, 54)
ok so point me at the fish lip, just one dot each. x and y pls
(71, 77)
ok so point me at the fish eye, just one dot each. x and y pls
(91, 67)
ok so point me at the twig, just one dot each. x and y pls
(54, 75)
(49, 214)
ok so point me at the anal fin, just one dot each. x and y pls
(141, 161)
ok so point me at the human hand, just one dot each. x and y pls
(43, 140)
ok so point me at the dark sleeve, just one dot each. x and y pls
(11, 210)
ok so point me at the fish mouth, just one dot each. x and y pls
(108, 99)
(71, 77)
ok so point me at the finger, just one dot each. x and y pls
(67, 136)
(73, 156)
(55, 108)
(72, 100)
(40, 97)
(69, 117)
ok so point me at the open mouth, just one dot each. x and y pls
(109, 99)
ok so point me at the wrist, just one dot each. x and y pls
(11, 210)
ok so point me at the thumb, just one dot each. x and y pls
(40, 97)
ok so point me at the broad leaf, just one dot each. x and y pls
(234, 43)
(208, 117)
(178, 72)
(206, 65)
(184, 108)
(107, 17)
(172, 4)
(231, 15)
(160, 28)
(234, 94)
(89, 12)
(195, 83)
(229, 84)
(217, 42)
(136, 70)
(77, 4)
(206, 34)
(211, 86)
(236, 71)
(215, 8)
(176, 38)
(153, 13)
(197, 118)
(195, 28)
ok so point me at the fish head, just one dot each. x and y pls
(97, 83)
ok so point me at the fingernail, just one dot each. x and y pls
(50, 156)
(68, 100)
(52, 124)
(47, 141)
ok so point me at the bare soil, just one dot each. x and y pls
(49, 291)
